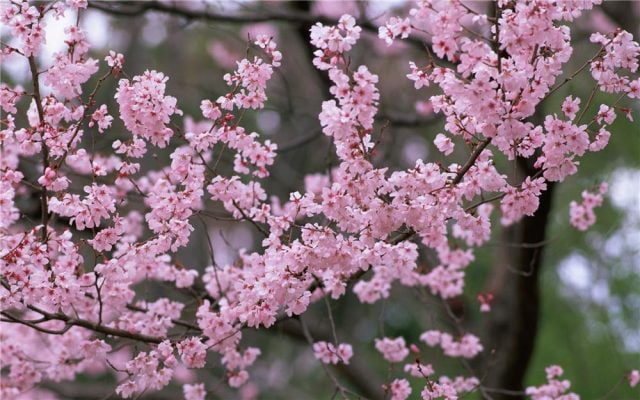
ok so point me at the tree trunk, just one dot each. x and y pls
(510, 330)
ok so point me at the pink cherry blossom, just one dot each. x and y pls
(144, 108)
(330, 354)
(194, 391)
(400, 389)
(52, 181)
(418, 370)
(581, 214)
(193, 352)
(101, 118)
(393, 350)
(395, 27)
(634, 378)
(554, 388)
(115, 60)
(570, 107)
(9, 97)
(606, 114)
(444, 144)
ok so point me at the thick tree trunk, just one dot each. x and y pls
(510, 330)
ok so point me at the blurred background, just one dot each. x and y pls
(587, 285)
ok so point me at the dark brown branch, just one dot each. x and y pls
(250, 220)
(45, 150)
(134, 9)
(472, 160)
(99, 390)
(300, 142)
(404, 120)
(34, 325)
(178, 322)
(69, 321)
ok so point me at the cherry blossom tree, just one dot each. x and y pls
(74, 281)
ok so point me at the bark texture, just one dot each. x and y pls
(510, 330)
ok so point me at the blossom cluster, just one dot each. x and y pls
(333, 41)
(554, 388)
(468, 346)
(144, 107)
(249, 83)
(328, 353)
(581, 214)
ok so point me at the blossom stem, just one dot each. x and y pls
(45, 150)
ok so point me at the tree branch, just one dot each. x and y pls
(69, 321)
(125, 9)
(45, 150)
